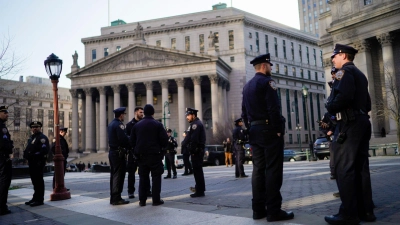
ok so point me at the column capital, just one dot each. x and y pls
(328, 62)
(180, 82)
(74, 93)
(164, 83)
(196, 80)
(116, 88)
(102, 90)
(88, 91)
(149, 85)
(362, 45)
(213, 78)
(385, 39)
(131, 87)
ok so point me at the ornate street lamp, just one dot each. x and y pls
(53, 67)
(311, 146)
(166, 104)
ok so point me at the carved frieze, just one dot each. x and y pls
(346, 35)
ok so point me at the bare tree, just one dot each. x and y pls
(9, 62)
(224, 131)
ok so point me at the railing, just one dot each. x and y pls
(384, 148)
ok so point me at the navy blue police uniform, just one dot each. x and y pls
(350, 102)
(132, 162)
(36, 153)
(170, 156)
(262, 117)
(64, 151)
(239, 137)
(148, 139)
(118, 142)
(186, 156)
(6, 147)
(195, 144)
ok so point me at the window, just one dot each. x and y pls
(40, 115)
(300, 54)
(312, 109)
(285, 69)
(314, 57)
(309, 75)
(294, 71)
(47, 95)
(288, 110)
(93, 55)
(319, 106)
(29, 102)
(118, 48)
(4, 100)
(311, 26)
(290, 139)
(320, 55)
(250, 35)
(323, 76)
(304, 113)
(308, 56)
(70, 120)
(28, 116)
(58, 96)
(266, 44)
(296, 107)
(251, 47)
(277, 68)
(292, 50)
(276, 47)
(17, 117)
(158, 43)
(306, 135)
(105, 52)
(367, 2)
(61, 118)
(37, 94)
(201, 43)
(301, 73)
(68, 97)
(232, 58)
(187, 43)
(50, 131)
(231, 40)
(257, 43)
(216, 35)
(284, 49)
(316, 26)
(173, 43)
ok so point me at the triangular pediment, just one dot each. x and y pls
(140, 56)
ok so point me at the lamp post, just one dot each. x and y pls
(298, 128)
(305, 94)
(53, 67)
(166, 104)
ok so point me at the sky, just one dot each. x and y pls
(37, 28)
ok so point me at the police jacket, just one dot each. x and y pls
(238, 135)
(172, 144)
(117, 137)
(129, 126)
(64, 147)
(196, 136)
(260, 102)
(148, 137)
(351, 91)
(37, 148)
(6, 144)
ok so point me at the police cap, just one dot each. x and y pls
(65, 129)
(261, 59)
(334, 70)
(238, 120)
(191, 111)
(339, 48)
(35, 124)
(4, 108)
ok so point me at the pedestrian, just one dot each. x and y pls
(148, 139)
(88, 165)
(64, 150)
(383, 132)
(186, 155)
(351, 103)
(239, 138)
(118, 142)
(36, 152)
(228, 152)
(170, 152)
(195, 144)
(261, 115)
(6, 147)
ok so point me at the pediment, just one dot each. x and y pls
(142, 57)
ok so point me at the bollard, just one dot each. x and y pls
(308, 154)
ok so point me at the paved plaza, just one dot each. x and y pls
(307, 191)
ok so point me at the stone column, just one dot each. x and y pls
(221, 102)
(96, 124)
(75, 120)
(214, 101)
(103, 120)
(149, 92)
(83, 124)
(225, 103)
(198, 102)
(386, 40)
(180, 82)
(117, 96)
(164, 99)
(89, 121)
(110, 104)
(131, 101)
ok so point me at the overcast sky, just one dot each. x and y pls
(38, 28)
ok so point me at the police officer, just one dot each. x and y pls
(148, 139)
(239, 138)
(261, 115)
(118, 142)
(64, 150)
(6, 146)
(170, 155)
(195, 143)
(351, 103)
(186, 156)
(132, 162)
(36, 152)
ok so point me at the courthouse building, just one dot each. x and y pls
(198, 60)
(372, 27)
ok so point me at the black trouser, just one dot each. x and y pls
(117, 175)
(352, 167)
(267, 169)
(54, 175)
(131, 169)
(170, 162)
(147, 164)
(239, 152)
(332, 158)
(187, 164)
(36, 172)
(197, 162)
(5, 180)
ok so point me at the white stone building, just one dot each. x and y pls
(198, 60)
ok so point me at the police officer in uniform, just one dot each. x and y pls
(351, 103)
(148, 139)
(195, 143)
(261, 115)
(239, 138)
(36, 152)
(6, 146)
(118, 142)
(186, 156)
(64, 150)
(170, 155)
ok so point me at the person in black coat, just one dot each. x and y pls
(64, 150)
(239, 138)
(186, 155)
(170, 155)
(6, 146)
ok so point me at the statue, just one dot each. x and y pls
(211, 40)
(75, 59)
(139, 32)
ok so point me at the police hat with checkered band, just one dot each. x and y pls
(35, 124)
(339, 48)
(4, 108)
(261, 59)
